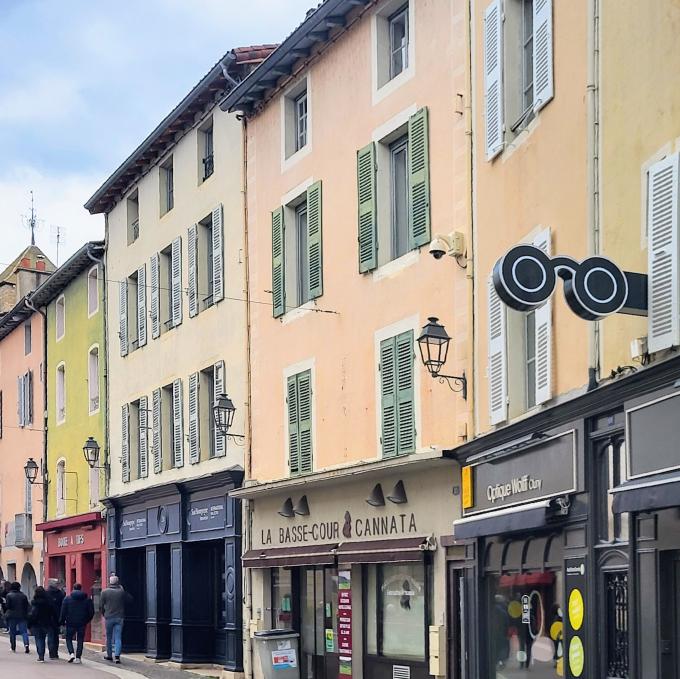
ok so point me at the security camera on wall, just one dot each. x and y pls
(452, 244)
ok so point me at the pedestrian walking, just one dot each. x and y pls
(76, 612)
(112, 606)
(56, 595)
(17, 616)
(41, 618)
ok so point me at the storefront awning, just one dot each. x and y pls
(309, 555)
(655, 492)
(524, 517)
(383, 551)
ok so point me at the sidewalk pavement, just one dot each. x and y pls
(93, 667)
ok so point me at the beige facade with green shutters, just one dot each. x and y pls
(355, 163)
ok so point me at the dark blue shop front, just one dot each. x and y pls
(177, 549)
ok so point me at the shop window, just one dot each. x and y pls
(525, 618)
(611, 472)
(616, 624)
(282, 598)
(397, 610)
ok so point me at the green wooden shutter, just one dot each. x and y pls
(419, 180)
(406, 430)
(314, 241)
(368, 230)
(278, 264)
(293, 430)
(388, 405)
(304, 389)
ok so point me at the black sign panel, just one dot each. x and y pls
(543, 471)
(133, 525)
(208, 514)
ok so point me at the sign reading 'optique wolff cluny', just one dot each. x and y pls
(525, 277)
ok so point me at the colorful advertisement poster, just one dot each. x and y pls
(345, 623)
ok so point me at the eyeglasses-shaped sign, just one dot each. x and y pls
(525, 277)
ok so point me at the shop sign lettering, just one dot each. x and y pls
(520, 484)
(70, 540)
(133, 526)
(207, 514)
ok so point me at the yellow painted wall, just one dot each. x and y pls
(66, 439)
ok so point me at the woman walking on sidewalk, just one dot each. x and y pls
(41, 620)
(16, 608)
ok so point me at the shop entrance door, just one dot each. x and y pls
(457, 606)
(319, 622)
(669, 616)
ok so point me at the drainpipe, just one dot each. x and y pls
(593, 169)
(29, 305)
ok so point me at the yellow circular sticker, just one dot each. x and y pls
(515, 609)
(556, 630)
(576, 609)
(576, 656)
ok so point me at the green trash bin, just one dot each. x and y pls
(278, 653)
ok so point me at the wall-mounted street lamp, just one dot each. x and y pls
(91, 451)
(31, 472)
(434, 347)
(223, 412)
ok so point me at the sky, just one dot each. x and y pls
(83, 82)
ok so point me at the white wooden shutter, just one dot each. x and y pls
(141, 305)
(123, 312)
(194, 426)
(157, 431)
(143, 437)
(543, 334)
(192, 254)
(493, 79)
(497, 364)
(219, 388)
(663, 253)
(218, 254)
(543, 53)
(155, 296)
(177, 424)
(125, 443)
(176, 270)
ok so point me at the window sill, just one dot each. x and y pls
(294, 158)
(386, 89)
(523, 133)
(299, 312)
(396, 266)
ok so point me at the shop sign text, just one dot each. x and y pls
(70, 540)
(516, 486)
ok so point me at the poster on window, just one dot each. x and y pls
(345, 623)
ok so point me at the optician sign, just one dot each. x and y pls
(594, 288)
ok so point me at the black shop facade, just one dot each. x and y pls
(570, 530)
(176, 549)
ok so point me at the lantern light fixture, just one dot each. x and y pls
(434, 348)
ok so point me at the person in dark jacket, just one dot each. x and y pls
(4, 591)
(40, 619)
(17, 615)
(56, 596)
(76, 612)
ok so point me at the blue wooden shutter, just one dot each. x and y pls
(419, 179)
(368, 222)
(278, 264)
(314, 240)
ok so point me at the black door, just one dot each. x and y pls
(457, 627)
(132, 574)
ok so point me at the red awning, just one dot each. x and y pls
(310, 555)
(382, 551)
(68, 522)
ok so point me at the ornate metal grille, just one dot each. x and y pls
(616, 614)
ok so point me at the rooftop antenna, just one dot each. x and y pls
(58, 237)
(31, 220)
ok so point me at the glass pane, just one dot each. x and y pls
(282, 598)
(526, 647)
(302, 258)
(308, 612)
(400, 243)
(371, 611)
(402, 603)
(320, 612)
(398, 43)
(331, 606)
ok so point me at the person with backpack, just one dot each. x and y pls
(17, 616)
(41, 619)
(76, 612)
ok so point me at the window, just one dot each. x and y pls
(61, 487)
(132, 217)
(398, 26)
(297, 275)
(299, 402)
(177, 440)
(61, 393)
(93, 290)
(282, 598)
(518, 67)
(27, 338)
(165, 291)
(398, 610)
(394, 193)
(132, 311)
(166, 430)
(60, 317)
(93, 379)
(296, 118)
(166, 298)
(397, 395)
(210, 383)
(206, 257)
(206, 151)
(25, 399)
(167, 186)
(612, 472)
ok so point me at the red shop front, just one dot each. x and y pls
(75, 551)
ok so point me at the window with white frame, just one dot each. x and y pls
(393, 41)
(167, 186)
(132, 217)
(61, 487)
(205, 262)
(60, 320)
(518, 67)
(296, 118)
(61, 393)
(25, 399)
(398, 27)
(301, 121)
(93, 290)
(206, 150)
(93, 379)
